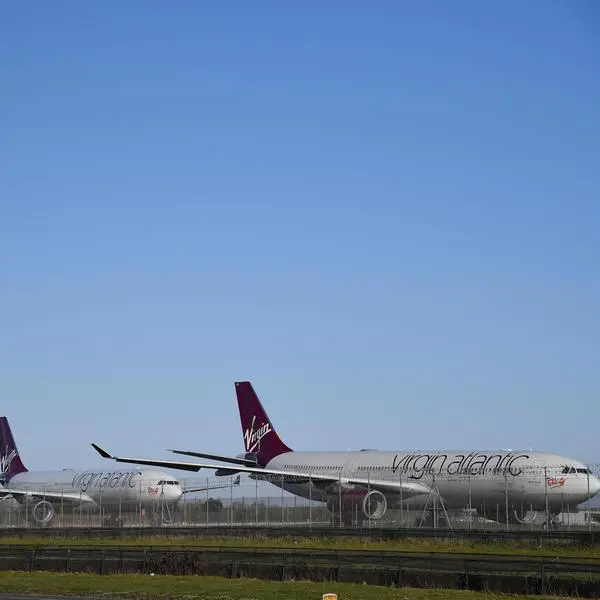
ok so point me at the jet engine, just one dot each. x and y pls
(372, 505)
(42, 512)
(516, 516)
(523, 517)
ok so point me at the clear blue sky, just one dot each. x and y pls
(384, 214)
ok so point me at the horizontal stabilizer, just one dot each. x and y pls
(228, 459)
(236, 481)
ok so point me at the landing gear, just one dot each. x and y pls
(113, 520)
(162, 515)
(551, 523)
(347, 519)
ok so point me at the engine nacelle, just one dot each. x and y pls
(523, 517)
(42, 512)
(515, 516)
(372, 505)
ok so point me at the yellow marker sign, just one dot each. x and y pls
(329, 596)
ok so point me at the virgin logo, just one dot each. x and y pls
(6, 461)
(253, 436)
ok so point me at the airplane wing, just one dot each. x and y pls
(408, 488)
(236, 481)
(67, 497)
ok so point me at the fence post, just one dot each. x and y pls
(506, 499)
(282, 501)
(309, 501)
(340, 498)
(470, 504)
(589, 508)
(369, 497)
(231, 500)
(401, 499)
(546, 499)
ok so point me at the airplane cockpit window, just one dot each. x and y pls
(570, 470)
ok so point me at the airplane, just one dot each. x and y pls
(113, 491)
(506, 486)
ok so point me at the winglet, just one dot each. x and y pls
(101, 451)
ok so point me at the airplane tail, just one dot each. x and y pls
(10, 461)
(260, 438)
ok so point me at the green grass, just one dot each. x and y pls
(216, 588)
(521, 547)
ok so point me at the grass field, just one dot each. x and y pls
(215, 588)
(521, 547)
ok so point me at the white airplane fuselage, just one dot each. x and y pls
(530, 480)
(123, 489)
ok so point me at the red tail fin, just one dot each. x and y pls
(10, 461)
(260, 438)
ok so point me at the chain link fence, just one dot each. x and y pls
(532, 500)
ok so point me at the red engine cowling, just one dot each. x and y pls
(373, 504)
